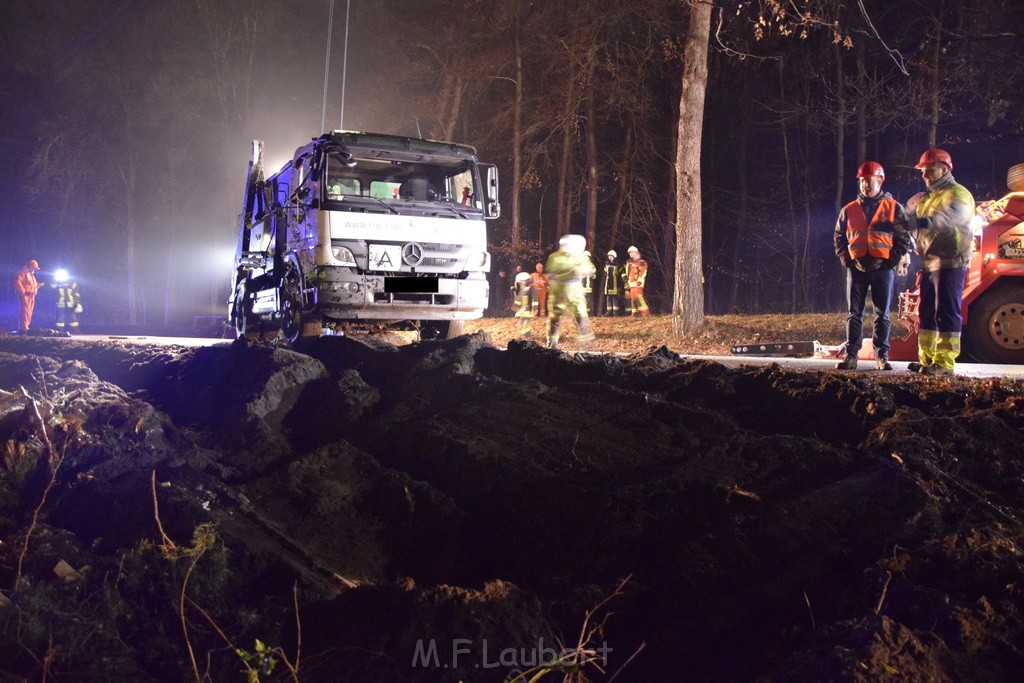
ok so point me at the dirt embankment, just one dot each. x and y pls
(450, 511)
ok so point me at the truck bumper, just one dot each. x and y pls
(350, 296)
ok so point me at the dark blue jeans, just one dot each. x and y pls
(858, 284)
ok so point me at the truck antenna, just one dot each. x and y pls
(327, 66)
(344, 67)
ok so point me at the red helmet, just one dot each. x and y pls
(870, 168)
(33, 264)
(935, 155)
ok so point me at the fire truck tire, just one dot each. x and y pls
(995, 326)
(1015, 178)
(442, 329)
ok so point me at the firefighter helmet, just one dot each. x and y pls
(572, 244)
(632, 249)
(613, 253)
(522, 276)
(33, 264)
(933, 156)
(869, 169)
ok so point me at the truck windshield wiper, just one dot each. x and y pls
(375, 199)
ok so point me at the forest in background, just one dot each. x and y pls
(127, 126)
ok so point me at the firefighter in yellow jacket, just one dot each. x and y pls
(522, 285)
(69, 301)
(566, 269)
(636, 276)
(26, 286)
(941, 218)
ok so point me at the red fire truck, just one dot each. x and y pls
(993, 305)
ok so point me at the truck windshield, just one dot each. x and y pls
(400, 182)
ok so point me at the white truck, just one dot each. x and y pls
(364, 227)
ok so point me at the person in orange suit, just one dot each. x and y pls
(540, 291)
(26, 286)
(636, 276)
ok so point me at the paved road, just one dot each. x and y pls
(964, 369)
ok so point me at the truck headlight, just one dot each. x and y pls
(344, 256)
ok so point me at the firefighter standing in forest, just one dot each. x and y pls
(612, 284)
(636, 276)
(26, 286)
(522, 293)
(941, 217)
(540, 291)
(69, 301)
(870, 240)
(566, 269)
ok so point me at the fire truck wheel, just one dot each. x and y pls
(996, 326)
(1015, 178)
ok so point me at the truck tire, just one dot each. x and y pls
(441, 329)
(240, 310)
(1015, 178)
(295, 322)
(995, 326)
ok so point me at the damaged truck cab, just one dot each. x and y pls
(364, 227)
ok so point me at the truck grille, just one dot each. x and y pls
(421, 299)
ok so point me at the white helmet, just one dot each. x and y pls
(522, 277)
(632, 249)
(613, 253)
(572, 244)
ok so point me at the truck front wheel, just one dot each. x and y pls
(240, 309)
(441, 329)
(295, 322)
(995, 326)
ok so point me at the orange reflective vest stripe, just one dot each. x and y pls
(874, 238)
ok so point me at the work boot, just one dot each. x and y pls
(848, 363)
(936, 369)
(882, 363)
(914, 366)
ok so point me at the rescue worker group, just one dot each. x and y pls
(874, 235)
(67, 298)
(564, 287)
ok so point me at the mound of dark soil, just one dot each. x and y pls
(450, 511)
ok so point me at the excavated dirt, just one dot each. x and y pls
(451, 511)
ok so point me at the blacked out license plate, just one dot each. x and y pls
(406, 285)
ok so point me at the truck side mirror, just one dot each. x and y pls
(492, 207)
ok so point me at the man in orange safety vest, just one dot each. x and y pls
(870, 240)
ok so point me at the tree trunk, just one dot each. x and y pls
(517, 142)
(788, 185)
(936, 78)
(739, 243)
(841, 127)
(562, 201)
(624, 180)
(592, 170)
(862, 108)
(688, 297)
